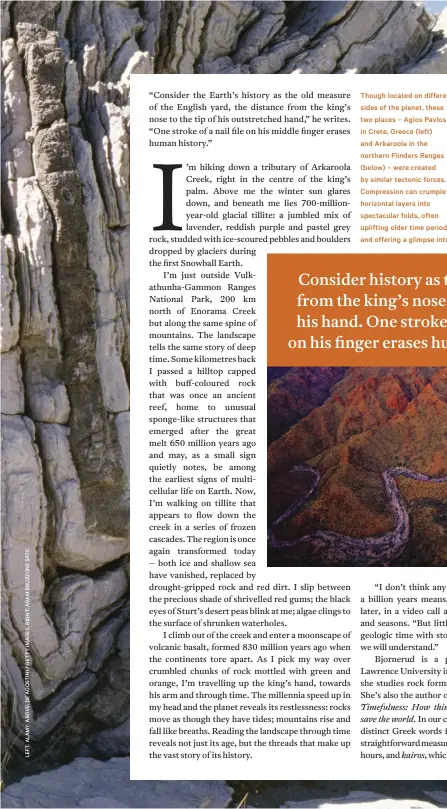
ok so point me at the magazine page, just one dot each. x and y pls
(336, 647)
(228, 589)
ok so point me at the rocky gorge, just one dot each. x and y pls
(66, 69)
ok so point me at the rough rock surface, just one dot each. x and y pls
(90, 783)
(65, 398)
(65, 309)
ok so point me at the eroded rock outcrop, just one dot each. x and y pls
(89, 783)
(65, 309)
(65, 285)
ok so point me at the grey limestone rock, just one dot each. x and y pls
(13, 396)
(90, 783)
(437, 795)
(435, 61)
(65, 487)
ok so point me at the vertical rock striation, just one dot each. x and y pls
(66, 70)
(65, 304)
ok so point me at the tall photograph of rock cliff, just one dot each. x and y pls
(66, 69)
(357, 466)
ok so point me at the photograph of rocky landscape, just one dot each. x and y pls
(66, 69)
(357, 466)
